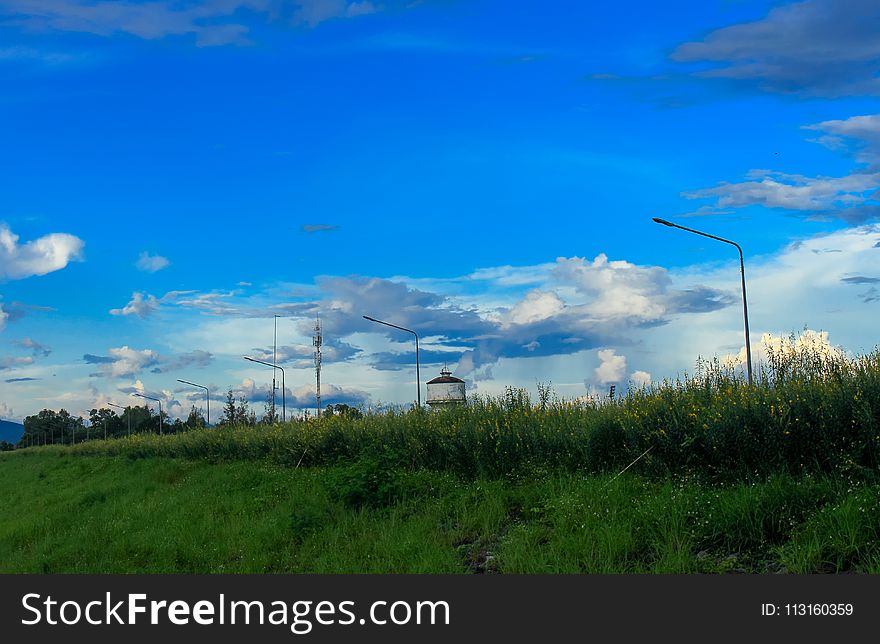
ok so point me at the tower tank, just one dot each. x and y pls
(445, 391)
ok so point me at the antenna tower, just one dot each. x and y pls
(316, 341)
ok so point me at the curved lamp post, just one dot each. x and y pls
(283, 393)
(742, 271)
(160, 408)
(418, 377)
(207, 397)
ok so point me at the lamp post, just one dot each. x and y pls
(207, 398)
(275, 361)
(123, 411)
(160, 409)
(283, 394)
(418, 377)
(742, 272)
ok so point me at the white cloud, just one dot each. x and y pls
(851, 198)
(38, 257)
(139, 305)
(617, 288)
(123, 361)
(130, 361)
(211, 303)
(809, 342)
(640, 379)
(861, 132)
(611, 367)
(151, 263)
(536, 306)
(5, 411)
(792, 191)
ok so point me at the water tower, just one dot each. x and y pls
(445, 391)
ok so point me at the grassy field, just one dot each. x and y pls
(65, 513)
(720, 475)
(807, 416)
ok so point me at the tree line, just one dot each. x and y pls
(62, 428)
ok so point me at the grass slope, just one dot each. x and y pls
(66, 513)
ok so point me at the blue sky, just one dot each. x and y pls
(174, 174)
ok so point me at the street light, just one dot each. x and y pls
(207, 397)
(418, 377)
(283, 399)
(275, 360)
(742, 271)
(160, 409)
(123, 410)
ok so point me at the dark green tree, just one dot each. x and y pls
(229, 411)
(195, 420)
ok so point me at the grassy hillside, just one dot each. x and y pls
(112, 514)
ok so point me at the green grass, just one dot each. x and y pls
(65, 513)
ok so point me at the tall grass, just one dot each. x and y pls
(808, 414)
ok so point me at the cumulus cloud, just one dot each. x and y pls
(622, 291)
(536, 306)
(809, 342)
(5, 410)
(640, 379)
(823, 48)
(38, 257)
(584, 304)
(171, 406)
(611, 367)
(123, 361)
(141, 304)
(136, 388)
(151, 263)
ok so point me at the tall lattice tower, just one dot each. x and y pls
(317, 339)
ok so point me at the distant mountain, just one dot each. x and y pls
(10, 432)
